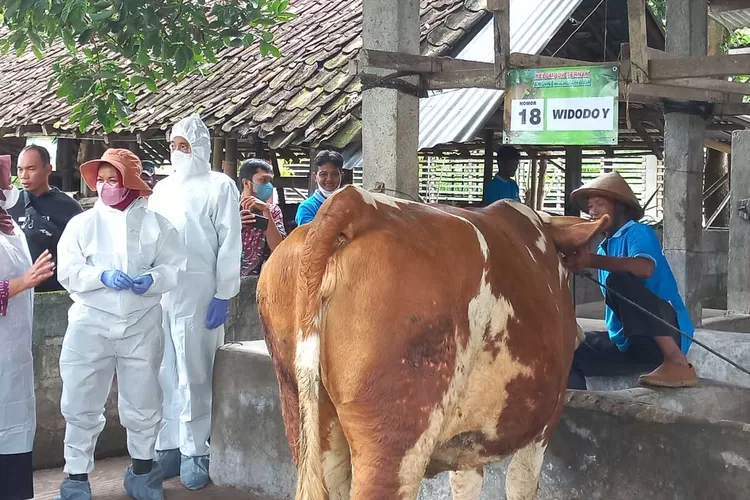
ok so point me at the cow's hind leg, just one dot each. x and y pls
(466, 484)
(337, 465)
(522, 478)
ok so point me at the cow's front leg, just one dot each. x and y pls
(466, 484)
(522, 478)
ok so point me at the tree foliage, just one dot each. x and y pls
(113, 48)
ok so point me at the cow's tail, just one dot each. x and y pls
(331, 230)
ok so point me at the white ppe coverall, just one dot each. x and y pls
(114, 331)
(17, 403)
(204, 208)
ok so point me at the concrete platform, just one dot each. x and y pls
(690, 444)
(106, 484)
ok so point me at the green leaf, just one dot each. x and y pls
(132, 97)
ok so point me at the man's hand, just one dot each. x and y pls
(578, 261)
(248, 218)
(253, 203)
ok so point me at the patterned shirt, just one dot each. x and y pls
(253, 242)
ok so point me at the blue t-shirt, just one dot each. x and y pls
(307, 209)
(639, 240)
(502, 189)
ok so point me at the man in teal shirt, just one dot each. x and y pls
(502, 186)
(328, 174)
(631, 263)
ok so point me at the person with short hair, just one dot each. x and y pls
(631, 264)
(256, 184)
(329, 166)
(43, 211)
(502, 186)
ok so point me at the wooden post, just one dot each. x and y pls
(542, 181)
(501, 23)
(573, 166)
(277, 174)
(638, 42)
(312, 184)
(231, 159)
(489, 157)
(217, 154)
(534, 181)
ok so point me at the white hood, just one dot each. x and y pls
(195, 132)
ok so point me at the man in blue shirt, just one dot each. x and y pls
(329, 167)
(631, 262)
(502, 186)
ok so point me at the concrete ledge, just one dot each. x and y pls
(50, 323)
(640, 443)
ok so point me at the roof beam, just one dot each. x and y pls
(727, 5)
(699, 67)
(646, 138)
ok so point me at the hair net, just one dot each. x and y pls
(193, 130)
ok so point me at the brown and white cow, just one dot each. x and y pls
(410, 339)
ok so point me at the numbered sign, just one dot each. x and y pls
(528, 114)
(576, 106)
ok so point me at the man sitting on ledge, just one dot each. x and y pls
(630, 262)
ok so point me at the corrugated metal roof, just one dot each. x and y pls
(732, 19)
(459, 115)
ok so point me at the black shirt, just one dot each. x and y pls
(43, 219)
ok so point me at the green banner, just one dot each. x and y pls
(572, 106)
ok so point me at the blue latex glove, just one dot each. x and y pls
(117, 280)
(218, 313)
(142, 283)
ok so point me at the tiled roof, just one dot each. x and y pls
(305, 97)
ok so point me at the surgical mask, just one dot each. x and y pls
(326, 193)
(181, 161)
(263, 191)
(111, 195)
(11, 198)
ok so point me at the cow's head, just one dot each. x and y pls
(570, 234)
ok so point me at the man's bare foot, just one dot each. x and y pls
(671, 374)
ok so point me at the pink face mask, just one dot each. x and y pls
(111, 195)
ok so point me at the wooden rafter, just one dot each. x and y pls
(646, 138)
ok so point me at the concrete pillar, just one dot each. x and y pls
(684, 161)
(390, 128)
(738, 283)
(573, 170)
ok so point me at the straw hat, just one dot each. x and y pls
(125, 162)
(610, 185)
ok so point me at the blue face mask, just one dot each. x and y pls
(263, 191)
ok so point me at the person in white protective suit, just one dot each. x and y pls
(17, 404)
(204, 207)
(116, 261)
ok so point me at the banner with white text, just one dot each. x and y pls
(573, 106)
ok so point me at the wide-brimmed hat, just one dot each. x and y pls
(610, 185)
(125, 162)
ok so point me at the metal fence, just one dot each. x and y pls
(453, 180)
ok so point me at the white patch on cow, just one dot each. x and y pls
(735, 460)
(308, 352)
(522, 477)
(544, 216)
(337, 466)
(562, 271)
(535, 218)
(466, 484)
(531, 254)
(375, 198)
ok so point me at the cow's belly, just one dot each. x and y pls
(506, 405)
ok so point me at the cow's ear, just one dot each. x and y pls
(572, 233)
